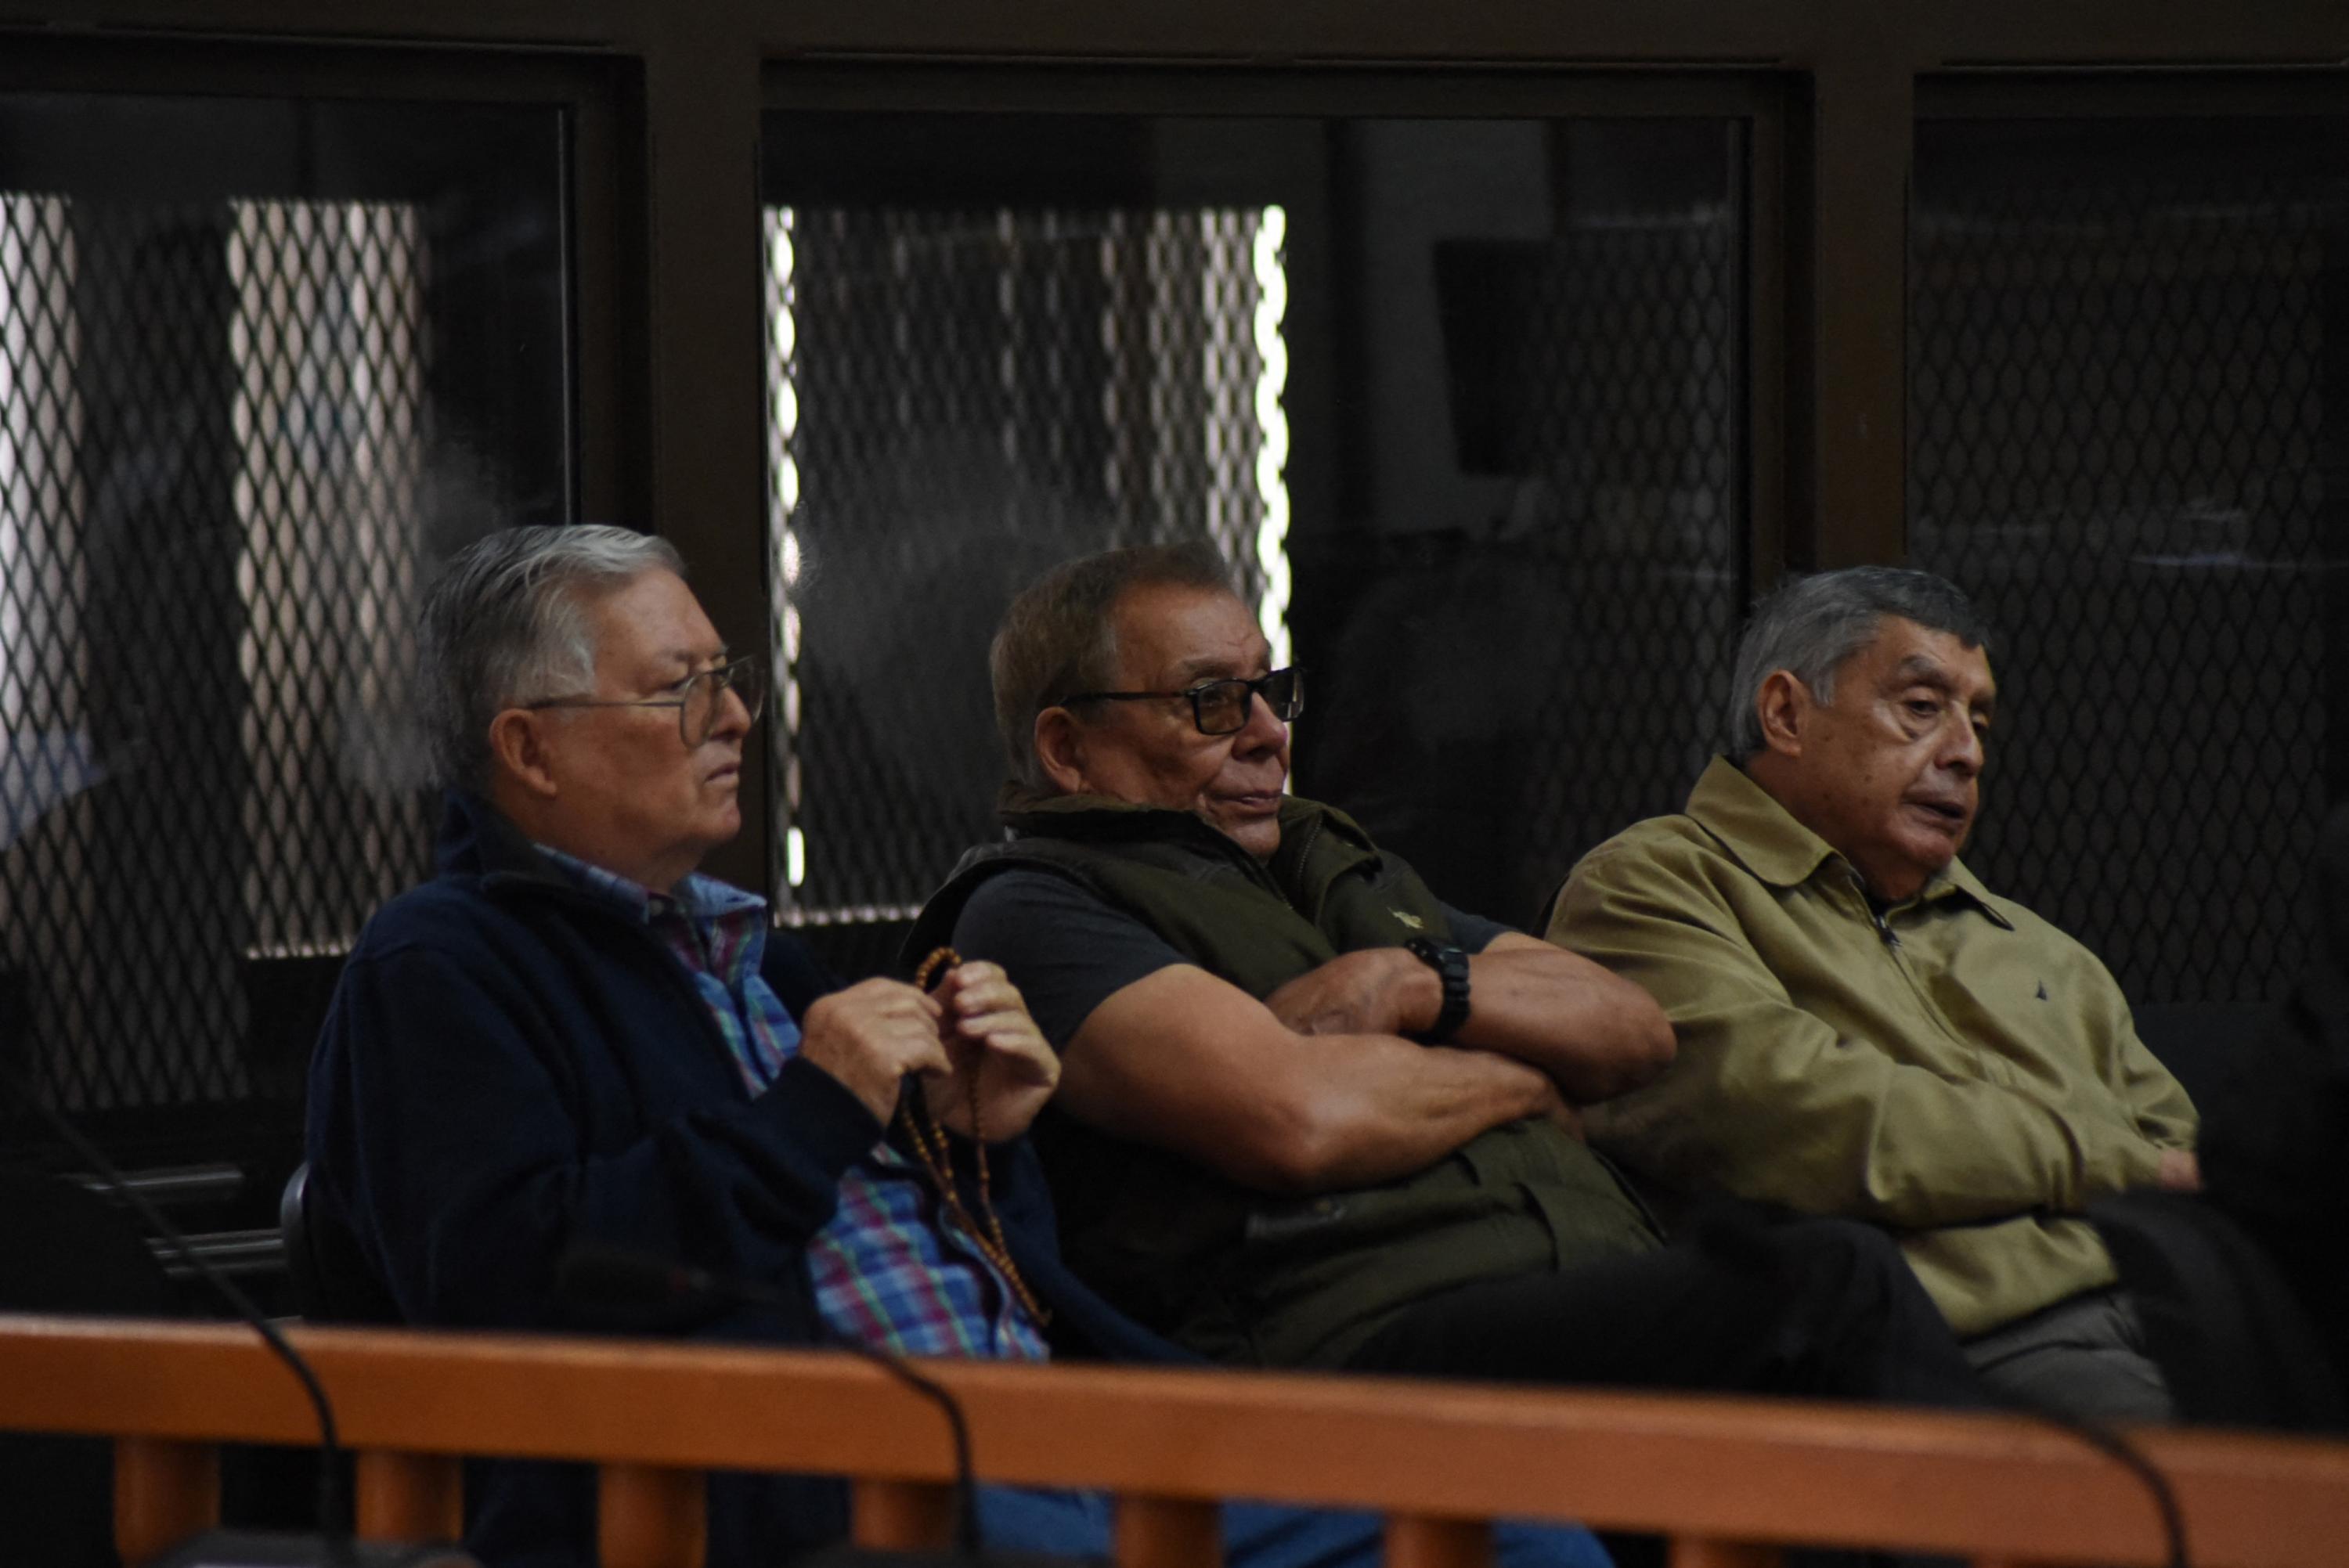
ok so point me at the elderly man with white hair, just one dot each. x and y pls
(569, 1037)
(1865, 1029)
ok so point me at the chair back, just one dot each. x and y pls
(332, 1280)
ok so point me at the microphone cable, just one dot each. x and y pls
(593, 1273)
(334, 1499)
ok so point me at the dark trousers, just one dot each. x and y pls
(1746, 1303)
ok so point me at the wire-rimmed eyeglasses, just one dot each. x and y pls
(698, 698)
(1221, 707)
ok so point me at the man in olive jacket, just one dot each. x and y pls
(1863, 1028)
(1309, 1114)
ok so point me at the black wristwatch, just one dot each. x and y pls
(1451, 967)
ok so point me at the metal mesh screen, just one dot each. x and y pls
(959, 400)
(1508, 694)
(328, 341)
(2119, 426)
(209, 444)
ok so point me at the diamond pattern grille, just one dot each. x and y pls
(959, 400)
(1506, 696)
(328, 340)
(2120, 438)
(208, 437)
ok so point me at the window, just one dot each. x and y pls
(1461, 401)
(2127, 349)
(247, 393)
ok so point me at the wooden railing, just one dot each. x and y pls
(1728, 1480)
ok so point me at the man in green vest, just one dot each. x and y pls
(1310, 1115)
(1863, 1028)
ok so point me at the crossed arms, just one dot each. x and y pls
(1769, 1100)
(1315, 1087)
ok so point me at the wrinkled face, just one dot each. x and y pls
(1889, 772)
(627, 784)
(1152, 754)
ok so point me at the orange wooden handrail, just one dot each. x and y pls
(1719, 1474)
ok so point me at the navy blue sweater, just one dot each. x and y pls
(510, 1068)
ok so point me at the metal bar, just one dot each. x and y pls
(289, 64)
(173, 1186)
(610, 429)
(1703, 31)
(1769, 388)
(1859, 242)
(1465, 92)
(1698, 31)
(2070, 94)
(708, 437)
(230, 1251)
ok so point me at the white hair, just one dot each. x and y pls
(504, 626)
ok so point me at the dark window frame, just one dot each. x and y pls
(601, 419)
(1759, 101)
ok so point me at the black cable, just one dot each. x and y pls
(333, 1502)
(966, 1534)
(2118, 1449)
(596, 1274)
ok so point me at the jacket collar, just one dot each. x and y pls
(1101, 818)
(476, 839)
(1765, 839)
(1023, 810)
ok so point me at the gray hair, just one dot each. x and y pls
(1059, 635)
(505, 626)
(1812, 624)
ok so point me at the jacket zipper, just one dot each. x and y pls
(1891, 940)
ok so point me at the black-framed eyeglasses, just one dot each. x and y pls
(698, 698)
(1221, 707)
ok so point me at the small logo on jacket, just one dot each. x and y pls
(1408, 919)
(2043, 990)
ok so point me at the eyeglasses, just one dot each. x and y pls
(698, 698)
(1221, 707)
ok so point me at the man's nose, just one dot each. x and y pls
(733, 719)
(1263, 729)
(1963, 752)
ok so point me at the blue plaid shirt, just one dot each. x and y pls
(887, 1271)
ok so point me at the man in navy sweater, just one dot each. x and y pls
(569, 1037)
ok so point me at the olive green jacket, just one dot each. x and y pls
(1238, 1274)
(1958, 1069)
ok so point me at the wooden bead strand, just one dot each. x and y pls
(936, 1156)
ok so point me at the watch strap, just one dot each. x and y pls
(1451, 967)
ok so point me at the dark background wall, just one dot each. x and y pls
(1592, 322)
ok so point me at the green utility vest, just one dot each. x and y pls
(1233, 1272)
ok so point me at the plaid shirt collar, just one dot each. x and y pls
(697, 897)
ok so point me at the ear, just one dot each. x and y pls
(1783, 704)
(518, 740)
(1060, 742)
